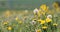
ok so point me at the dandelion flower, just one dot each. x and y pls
(48, 20)
(20, 22)
(44, 7)
(55, 24)
(9, 28)
(39, 20)
(7, 13)
(44, 28)
(42, 21)
(5, 23)
(39, 30)
(55, 5)
(16, 18)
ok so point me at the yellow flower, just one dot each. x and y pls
(44, 7)
(7, 13)
(9, 28)
(48, 20)
(16, 18)
(55, 5)
(5, 23)
(41, 12)
(20, 22)
(55, 24)
(42, 21)
(39, 20)
(44, 27)
(39, 30)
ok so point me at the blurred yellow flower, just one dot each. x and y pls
(42, 21)
(41, 12)
(7, 13)
(44, 7)
(39, 30)
(48, 20)
(5, 23)
(55, 24)
(39, 20)
(20, 22)
(44, 27)
(55, 5)
(17, 18)
(9, 28)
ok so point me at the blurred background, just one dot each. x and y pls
(24, 15)
(23, 4)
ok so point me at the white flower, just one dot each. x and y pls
(35, 10)
(49, 16)
(26, 11)
(33, 22)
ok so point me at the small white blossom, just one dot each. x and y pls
(35, 10)
(49, 16)
(26, 11)
(33, 22)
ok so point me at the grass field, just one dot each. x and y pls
(28, 21)
(22, 22)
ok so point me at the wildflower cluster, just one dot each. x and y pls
(43, 19)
